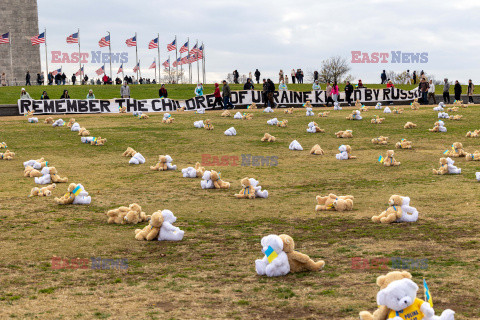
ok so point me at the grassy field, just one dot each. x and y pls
(9, 95)
(211, 273)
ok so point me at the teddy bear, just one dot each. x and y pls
(336, 106)
(181, 109)
(268, 137)
(151, 231)
(208, 125)
(317, 150)
(399, 210)
(55, 177)
(345, 153)
(364, 108)
(458, 102)
(380, 140)
(333, 202)
(193, 172)
(387, 110)
(58, 123)
(438, 127)
(443, 115)
(145, 116)
(475, 156)
(168, 232)
(83, 132)
(307, 104)
(161, 164)
(3, 145)
(198, 124)
(454, 109)
(99, 141)
(288, 111)
(48, 120)
(167, 118)
(117, 215)
(129, 152)
(49, 174)
(409, 125)
(272, 122)
(247, 191)
(473, 134)
(282, 124)
(218, 183)
(137, 158)
(452, 169)
(32, 120)
(389, 160)
(68, 197)
(268, 109)
(443, 167)
(383, 281)
(309, 112)
(457, 117)
(75, 127)
(36, 164)
(259, 193)
(252, 106)
(226, 113)
(358, 104)
(30, 172)
(415, 105)
(313, 128)
(207, 182)
(122, 109)
(29, 113)
(400, 297)
(377, 120)
(440, 106)
(42, 192)
(295, 146)
(237, 115)
(7, 155)
(230, 132)
(404, 144)
(200, 111)
(397, 111)
(70, 122)
(456, 150)
(323, 114)
(298, 261)
(378, 106)
(247, 116)
(137, 113)
(344, 134)
(275, 262)
(87, 140)
(135, 215)
(355, 115)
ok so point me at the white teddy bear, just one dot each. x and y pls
(387, 110)
(343, 155)
(33, 120)
(34, 164)
(199, 124)
(58, 123)
(207, 182)
(378, 106)
(451, 168)
(237, 115)
(169, 163)
(400, 297)
(137, 159)
(258, 189)
(268, 109)
(82, 197)
(166, 116)
(443, 115)
(275, 262)
(477, 175)
(189, 172)
(200, 111)
(168, 232)
(357, 115)
(309, 112)
(137, 113)
(230, 132)
(272, 122)
(441, 126)
(409, 214)
(46, 178)
(439, 107)
(87, 139)
(75, 127)
(295, 146)
(311, 127)
(336, 106)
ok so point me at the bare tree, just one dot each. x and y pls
(333, 69)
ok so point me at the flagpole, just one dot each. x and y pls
(158, 47)
(176, 58)
(189, 64)
(203, 63)
(136, 51)
(169, 69)
(155, 68)
(11, 56)
(110, 51)
(46, 54)
(139, 71)
(198, 66)
(181, 67)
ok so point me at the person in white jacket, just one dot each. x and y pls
(431, 92)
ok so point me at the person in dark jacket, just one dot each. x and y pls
(257, 76)
(218, 97)
(58, 79)
(270, 91)
(39, 79)
(235, 76)
(383, 77)
(265, 92)
(74, 79)
(44, 96)
(248, 85)
(64, 78)
(423, 87)
(162, 93)
(414, 77)
(471, 89)
(65, 95)
(348, 93)
(457, 90)
(27, 79)
(315, 76)
(227, 93)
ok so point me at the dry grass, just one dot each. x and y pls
(211, 273)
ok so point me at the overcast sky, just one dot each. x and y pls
(273, 35)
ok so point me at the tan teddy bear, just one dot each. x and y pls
(282, 124)
(55, 177)
(349, 152)
(151, 231)
(129, 152)
(3, 145)
(42, 192)
(317, 150)
(307, 104)
(168, 120)
(217, 181)
(48, 120)
(404, 144)
(135, 215)
(70, 122)
(475, 156)
(443, 167)
(389, 160)
(454, 109)
(397, 111)
(117, 215)
(456, 150)
(181, 109)
(327, 203)
(98, 141)
(415, 105)
(393, 212)
(456, 117)
(68, 197)
(383, 281)
(7, 155)
(268, 137)
(247, 116)
(145, 116)
(83, 132)
(252, 106)
(358, 104)
(377, 120)
(200, 170)
(315, 128)
(473, 134)
(226, 113)
(344, 134)
(247, 191)
(323, 114)
(364, 109)
(122, 109)
(409, 125)
(30, 172)
(298, 261)
(288, 111)
(161, 164)
(208, 125)
(380, 140)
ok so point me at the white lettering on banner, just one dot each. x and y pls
(244, 97)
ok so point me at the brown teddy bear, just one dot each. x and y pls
(473, 134)
(415, 105)
(268, 137)
(98, 141)
(298, 261)
(324, 114)
(83, 132)
(383, 281)
(364, 109)
(389, 160)
(358, 104)
(168, 120)
(288, 111)
(200, 170)
(327, 203)
(218, 182)
(129, 152)
(252, 106)
(317, 150)
(443, 167)
(181, 109)
(247, 116)
(208, 125)
(456, 117)
(70, 122)
(459, 103)
(473, 156)
(409, 125)
(151, 231)
(377, 120)
(380, 140)
(30, 172)
(226, 113)
(397, 111)
(247, 191)
(68, 197)
(454, 109)
(42, 192)
(122, 109)
(7, 155)
(404, 144)
(161, 164)
(135, 215)
(456, 150)
(344, 134)
(393, 212)
(307, 104)
(3, 145)
(56, 178)
(145, 116)
(48, 120)
(314, 128)
(282, 124)
(117, 215)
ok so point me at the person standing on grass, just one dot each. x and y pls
(316, 86)
(329, 93)
(423, 87)
(90, 94)
(257, 76)
(293, 75)
(199, 90)
(414, 77)
(457, 89)
(65, 95)
(348, 93)
(383, 77)
(409, 78)
(248, 85)
(431, 92)
(74, 79)
(471, 88)
(264, 92)
(44, 96)
(38, 79)
(64, 78)
(227, 93)
(235, 76)
(270, 92)
(162, 93)
(218, 97)
(286, 79)
(446, 91)
(124, 90)
(335, 91)
(27, 79)
(4, 79)
(24, 95)
(315, 76)
(390, 86)
(282, 86)
(280, 76)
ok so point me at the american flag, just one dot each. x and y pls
(185, 59)
(137, 67)
(194, 49)
(101, 70)
(38, 39)
(184, 48)
(171, 46)
(55, 72)
(5, 38)
(200, 52)
(73, 38)
(120, 69)
(79, 72)
(154, 65)
(153, 44)
(176, 63)
(104, 42)
(166, 64)
(132, 42)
